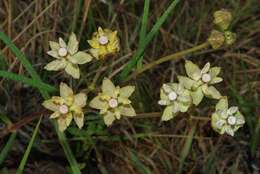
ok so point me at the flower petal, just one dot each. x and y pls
(109, 118)
(222, 104)
(48, 104)
(62, 43)
(206, 67)
(126, 91)
(186, 82)
(80, 99)
(62, 124)
(53, 54)
(56, 65)
(212, 92)
(108, 87)
(127, 110)
(80, 58)
(97, 103)
(214, 71)
(192, 70)
(167, 113)
(68, 118)
(73, 44)
(197, 96)
(55, 115)
(54, 46)
(65, 90)
(73, 70)
(79, 119)
(216, 80)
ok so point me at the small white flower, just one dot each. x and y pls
(64, 109)
(62, 52)
(113, 103)
(103, 40)
(231, 120)
(206, 78)
(172, 96)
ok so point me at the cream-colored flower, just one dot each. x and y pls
(200, 81)
(67, 56)
(226, 120)
(113, 102)
(175, 98)
(104, 42)
(66, 107)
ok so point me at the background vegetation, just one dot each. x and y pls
(144, 145)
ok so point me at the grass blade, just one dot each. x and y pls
(28, 81)
(143, 29)
(148, 38)
(7, 147)
(28, 149)
(186, 149)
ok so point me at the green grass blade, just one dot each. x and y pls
(143, 30)
(28, 149)
(23, 60)
(148, 38)
(45, 95)
(186, 149)
(28, 81)
(7, 147)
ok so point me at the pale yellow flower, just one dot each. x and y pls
(66, 107)
(104, 42)
(113, 102)
(67, 56)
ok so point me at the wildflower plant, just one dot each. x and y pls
(226, 119)
(67, 56)
(66, 107)
(103, 43)
(176, 99)
(113, 102)
(200, 81)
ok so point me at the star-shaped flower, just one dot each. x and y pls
(200, 81)
(67, 56)
(104, 42)
(226, 120)
(113, 102)
(67, 106)
(175, 98)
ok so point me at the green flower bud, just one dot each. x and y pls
(230, 37)
(222, 18)
(216, 39)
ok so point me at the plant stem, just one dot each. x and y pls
(175, 56)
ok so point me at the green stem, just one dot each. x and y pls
(175, 56)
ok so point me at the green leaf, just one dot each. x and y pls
(222, 104)
(192, 70)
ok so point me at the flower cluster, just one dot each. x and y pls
(191, 89)
(225, 119)
(222, 35)
(67, 106)
(113, 101)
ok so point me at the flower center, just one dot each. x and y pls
(64, 109)
(113, 103)
(172, 96)
(103, 40)
(206, 77)
(231, 120)
(62, 52)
